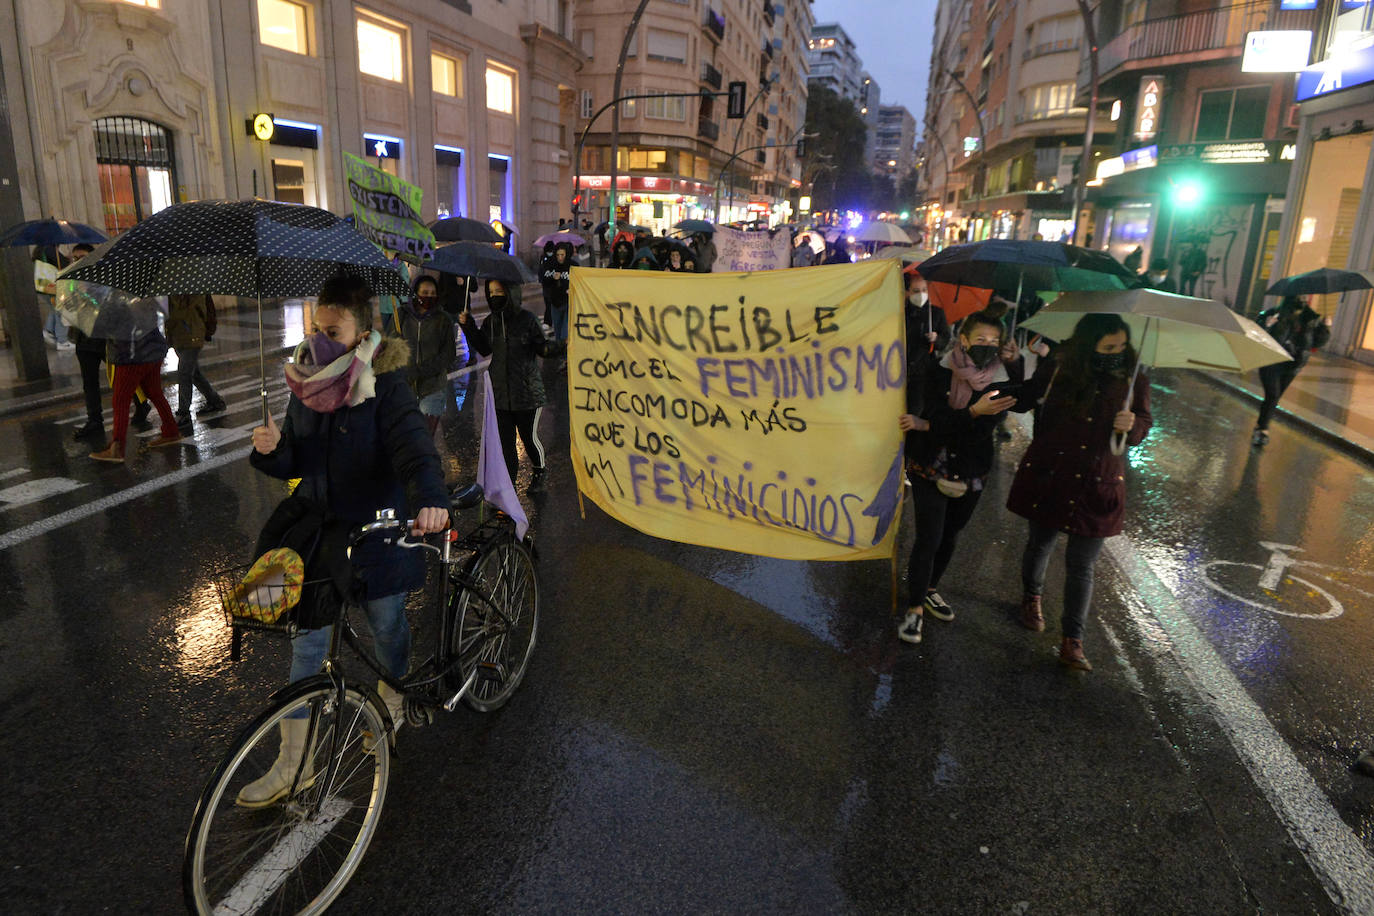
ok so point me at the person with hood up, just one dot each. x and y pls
(644, 260)
(1299, 330)
(704, 249)
(953, 405)
(430, 338)
(1157, 277)
(622, 255)
(354, 436)
(191, 322)
(556, 278)
(513, 339)
(803, 255)
(545, 261)
(135, 355)
(1070, 480)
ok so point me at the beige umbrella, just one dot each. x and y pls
(881, 232)
(1171, 331)
(908, 253)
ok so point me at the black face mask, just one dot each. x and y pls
(1109, 362)
(982, 355)
(497, 302)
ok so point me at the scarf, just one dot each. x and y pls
(347, 380)
(968, 378)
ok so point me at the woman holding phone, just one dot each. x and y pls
(954, 406)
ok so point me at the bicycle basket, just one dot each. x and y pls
(262, 596)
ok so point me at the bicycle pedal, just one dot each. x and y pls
(491, 671)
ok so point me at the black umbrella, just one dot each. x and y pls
(1018, 263)
(50, 232)
(475, 259)
(1322, 280)
(464, 229)
(695, 225)
(247, 248)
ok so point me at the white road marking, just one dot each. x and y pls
(261, 881)
(1340, 861)
(31, 491)
(13, 472)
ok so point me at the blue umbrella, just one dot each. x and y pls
(463, 229)
(50, 232)
(478, 259)
(695, 225)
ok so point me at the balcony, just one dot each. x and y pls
(768, 15)
(710, 75)
(714, 23)
(1207, 35)
(1052, 47)
(768, 50)
(708, 130)
(762, 121)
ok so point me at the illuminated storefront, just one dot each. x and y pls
(656, 203)
(1333, 176)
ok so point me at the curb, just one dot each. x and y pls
(1311, 427)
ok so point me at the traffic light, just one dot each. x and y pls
(734, 110)
(801, 148)
(1188, 192)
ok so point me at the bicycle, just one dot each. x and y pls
(297, 854)
(1276, 585)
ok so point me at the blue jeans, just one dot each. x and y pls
(1078, 573)
(560, 321)
(391, 630)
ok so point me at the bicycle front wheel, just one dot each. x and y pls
(500, 634)
(296, 854)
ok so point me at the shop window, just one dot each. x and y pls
(288, 181)
(450, 186)
(380, 51)
(498, 187)
(1232, 114)
(500, 91)
(283, 24)
(136, 170)
(446, 75)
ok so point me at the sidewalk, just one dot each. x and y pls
(234, 344)
(1332, 399)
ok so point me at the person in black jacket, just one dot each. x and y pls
(622, 255)
(429, 335)
(545, 262)
(1299, 330)
(514, 340)
(927, 330)
(355, 437)
(952, 411)
(556, 279)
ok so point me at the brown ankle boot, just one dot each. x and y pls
(1031, 617)
(1071, 655)
(114, 452)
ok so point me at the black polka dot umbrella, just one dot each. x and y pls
(250, 248)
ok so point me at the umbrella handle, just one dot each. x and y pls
(1119, 438)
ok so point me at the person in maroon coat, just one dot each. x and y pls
(1069, 480)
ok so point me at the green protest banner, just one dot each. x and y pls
(387, 210)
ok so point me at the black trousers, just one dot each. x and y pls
(89, 361)
(508, 423)
(939, 519)
(1275, 380)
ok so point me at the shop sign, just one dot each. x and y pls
(1297, 4)
(1250, 153)
(1148, 106)
(376, 146)
(1354, 66)
(1276, 52)
(1132, 160)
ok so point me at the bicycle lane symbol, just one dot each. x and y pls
(1274, 589)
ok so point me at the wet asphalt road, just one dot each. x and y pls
(710, 732)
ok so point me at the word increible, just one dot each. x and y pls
(710, 329)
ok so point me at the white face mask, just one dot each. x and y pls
(918, 298)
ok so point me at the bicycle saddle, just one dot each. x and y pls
(466, 497)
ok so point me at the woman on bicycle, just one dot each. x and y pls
(1069, 480)
(355, 437)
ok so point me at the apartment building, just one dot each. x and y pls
(833, 61)
(1003, 118)
(894, 144)
(679, 156)
(122, 107)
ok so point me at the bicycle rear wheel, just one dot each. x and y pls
(295, 855)
(500, 638)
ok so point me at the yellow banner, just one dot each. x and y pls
(754, 412)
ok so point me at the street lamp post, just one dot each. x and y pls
(615, 114)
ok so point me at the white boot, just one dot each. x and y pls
(395, 705)
(276, 782)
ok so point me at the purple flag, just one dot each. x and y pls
(491, 470)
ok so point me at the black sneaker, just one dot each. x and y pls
(910, 630)
(140, 419)
(90, 431)
(938, 608)
(536, 480)
(215, 406)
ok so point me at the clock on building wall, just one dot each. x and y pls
(263, 126)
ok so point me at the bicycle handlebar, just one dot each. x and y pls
(387, 522)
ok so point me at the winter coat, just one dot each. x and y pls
(919, 352)
(513, 338)
(1299, 331)
(431, 339)
(555, 279)
(1069, 479)
(623, 253)
(356, 460)
(128, 350)
(705, 250)
(191, 321)
(966, 439)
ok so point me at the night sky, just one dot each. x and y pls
(893, 38)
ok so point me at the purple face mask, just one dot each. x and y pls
(324, 351)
